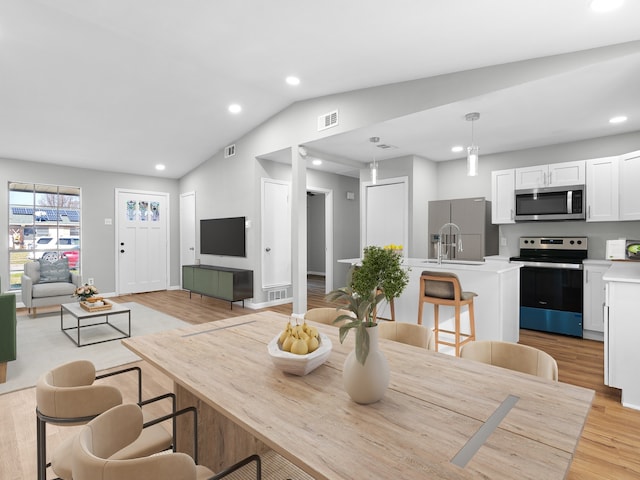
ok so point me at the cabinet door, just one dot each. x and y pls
(602, 189)
(594, 294)
(566, 173)
(187, 278)
(225, 285)
(629, 190)
(503, 184)
(205, 281)
(531, 177)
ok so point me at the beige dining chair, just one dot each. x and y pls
(69, 395)
(513, 356)
(326, 315)
(443, 288)
(118, 427)
(409, 333)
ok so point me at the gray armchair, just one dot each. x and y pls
(46, 283)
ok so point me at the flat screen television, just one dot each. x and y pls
(223, 236)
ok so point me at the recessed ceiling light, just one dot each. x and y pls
(618, 119)
(160, 167)
(602, 6)
(235, 108)
(291, 80)
(457, 149)
(317, 162)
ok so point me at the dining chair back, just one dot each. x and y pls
(513, 356)
(326, 315)
(409, 333)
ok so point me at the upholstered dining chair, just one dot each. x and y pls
(326, 315)
(513, 356)
(409, 333)
(443, 288)
(67, 395)
(112, 431)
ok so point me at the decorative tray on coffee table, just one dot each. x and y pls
(92, 307)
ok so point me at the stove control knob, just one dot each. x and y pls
(579, 242)
(572, 242)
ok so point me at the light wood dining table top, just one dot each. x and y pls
(436, 405)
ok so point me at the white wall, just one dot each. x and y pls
(98, 202)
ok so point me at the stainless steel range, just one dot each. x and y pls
(551, 290)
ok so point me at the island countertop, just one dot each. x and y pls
(496, 282)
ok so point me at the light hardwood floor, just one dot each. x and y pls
(609, 447)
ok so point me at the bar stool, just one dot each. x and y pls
(443, 288)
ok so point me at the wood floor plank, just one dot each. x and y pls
(609, 446)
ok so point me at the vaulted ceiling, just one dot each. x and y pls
(123, 85)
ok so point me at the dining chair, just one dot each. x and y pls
(443, 288)
(409, 333)
(68, 395)
(326, 315)
(513, 356)
(112, 431)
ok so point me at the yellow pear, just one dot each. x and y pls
(299, 347)
(312, 344)
(288, 343)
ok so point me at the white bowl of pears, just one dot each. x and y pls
(299, 348)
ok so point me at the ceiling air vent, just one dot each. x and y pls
(230, 151)
(328, 120)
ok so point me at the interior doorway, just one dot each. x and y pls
(320, 235)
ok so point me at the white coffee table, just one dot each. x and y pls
(80, 314)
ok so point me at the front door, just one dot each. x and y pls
(142, 241)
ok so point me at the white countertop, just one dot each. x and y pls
(489, 266)
(623, 272)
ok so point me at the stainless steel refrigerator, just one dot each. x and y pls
(479, 237)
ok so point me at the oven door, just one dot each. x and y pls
(551, 298)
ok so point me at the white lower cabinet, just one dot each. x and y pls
(622, 331)
(594, 294)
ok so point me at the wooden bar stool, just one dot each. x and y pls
(443, 288)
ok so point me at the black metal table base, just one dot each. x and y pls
(78, 327)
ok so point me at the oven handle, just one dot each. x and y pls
(563, 266)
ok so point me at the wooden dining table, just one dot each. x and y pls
(441, 416)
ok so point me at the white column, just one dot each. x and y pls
(299, 231)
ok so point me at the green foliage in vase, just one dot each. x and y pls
(381, 270)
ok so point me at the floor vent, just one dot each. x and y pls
(277, 295)
(230, 151)
(328, 120)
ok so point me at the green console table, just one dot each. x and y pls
(224, 283)
(8, 348)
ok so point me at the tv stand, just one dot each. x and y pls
(224, 283)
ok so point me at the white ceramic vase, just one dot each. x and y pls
(366, 383)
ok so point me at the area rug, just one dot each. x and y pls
(42, 346)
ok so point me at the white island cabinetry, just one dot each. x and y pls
(622, 331)
(497, 305)
(594, 293)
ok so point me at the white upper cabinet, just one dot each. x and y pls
(630, 186)
(556, 174)
(602, 189)
(503, 196)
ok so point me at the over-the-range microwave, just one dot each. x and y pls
(551, 203)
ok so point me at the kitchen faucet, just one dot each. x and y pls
(441, 243)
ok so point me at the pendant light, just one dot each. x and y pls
(472, 150)
(374, 165)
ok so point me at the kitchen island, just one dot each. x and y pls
(622, 330)
(497, 306)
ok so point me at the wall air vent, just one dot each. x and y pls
(328, 120)
(230, 151)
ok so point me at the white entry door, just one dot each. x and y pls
(276, 233)
(142, 241)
